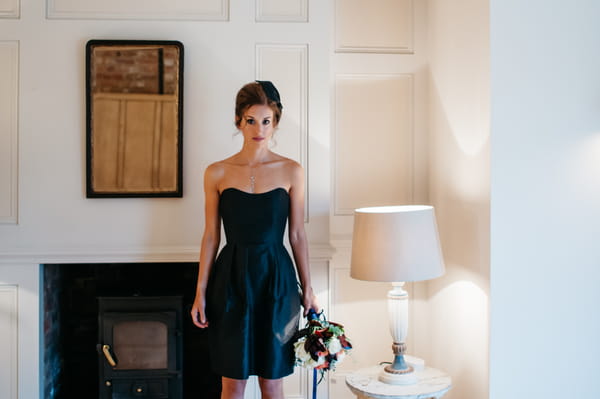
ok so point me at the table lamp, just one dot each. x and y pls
(396, 244)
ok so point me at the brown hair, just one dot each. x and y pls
(254, 93)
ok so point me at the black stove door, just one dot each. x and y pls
(137, 353)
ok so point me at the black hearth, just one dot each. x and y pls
(72, 368)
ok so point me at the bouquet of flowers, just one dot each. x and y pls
(321, 344)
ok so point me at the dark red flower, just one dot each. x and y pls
(345, 343)
(315, 347)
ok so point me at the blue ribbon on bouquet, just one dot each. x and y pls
(312, 315)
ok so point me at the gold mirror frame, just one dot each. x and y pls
(134, 118)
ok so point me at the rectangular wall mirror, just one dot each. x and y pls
(134, 106)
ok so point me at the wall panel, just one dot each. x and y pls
(9, 84)
(206, 10)
(295, 385)
(8, 341)
(377, 26)
(287, 67)
(9, 8)
(352, 297)
(281, 10)
(373, 141)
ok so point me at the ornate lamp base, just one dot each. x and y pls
(399, 372)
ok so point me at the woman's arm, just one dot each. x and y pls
(297, 237)
(210, 243)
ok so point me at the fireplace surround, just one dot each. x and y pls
(73, 297)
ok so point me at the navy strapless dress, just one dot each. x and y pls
(253, 301)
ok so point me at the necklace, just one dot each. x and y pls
(252, 179)
(253, 167)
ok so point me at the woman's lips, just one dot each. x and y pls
(258, 138)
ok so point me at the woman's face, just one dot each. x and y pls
(258, 124)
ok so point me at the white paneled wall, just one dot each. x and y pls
(206, 10)
(19, 331)
(379, 158)
(8, 341)
(287, 66)
(9, 8)
(9, 158)
(380, 110)
(373, 141)
(227, 44)
(354, 78)
(377, 26)
(281, 10)
(296, 386)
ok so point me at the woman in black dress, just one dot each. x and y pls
(248, 295)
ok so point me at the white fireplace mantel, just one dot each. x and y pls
(20, 285)
(318, 252)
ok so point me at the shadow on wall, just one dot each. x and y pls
(458, 302)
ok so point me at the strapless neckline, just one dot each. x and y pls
(248, 193)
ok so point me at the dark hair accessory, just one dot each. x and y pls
(271, 92)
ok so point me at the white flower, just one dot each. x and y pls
(301, 354)
(334, 345)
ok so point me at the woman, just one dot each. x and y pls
(248, 295)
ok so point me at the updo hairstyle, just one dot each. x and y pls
(260, 92)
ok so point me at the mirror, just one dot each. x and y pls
(134, 104)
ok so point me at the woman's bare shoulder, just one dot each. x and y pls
(215, 167)
(293, 171)
(294, 168)
(215, 171)
(285, 162)
(223, 164)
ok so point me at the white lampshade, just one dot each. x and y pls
(396, 243)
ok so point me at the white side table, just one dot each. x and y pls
(431, 383)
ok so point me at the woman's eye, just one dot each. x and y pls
(266, 122)
(250, 121)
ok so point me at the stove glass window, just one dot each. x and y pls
(140, 345)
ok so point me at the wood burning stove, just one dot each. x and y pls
(140, 347)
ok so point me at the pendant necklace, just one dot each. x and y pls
(252, 179)
(253, 168)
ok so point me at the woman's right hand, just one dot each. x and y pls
(198, 313)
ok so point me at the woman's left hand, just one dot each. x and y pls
(309, 301)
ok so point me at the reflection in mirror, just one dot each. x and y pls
(134, 118)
